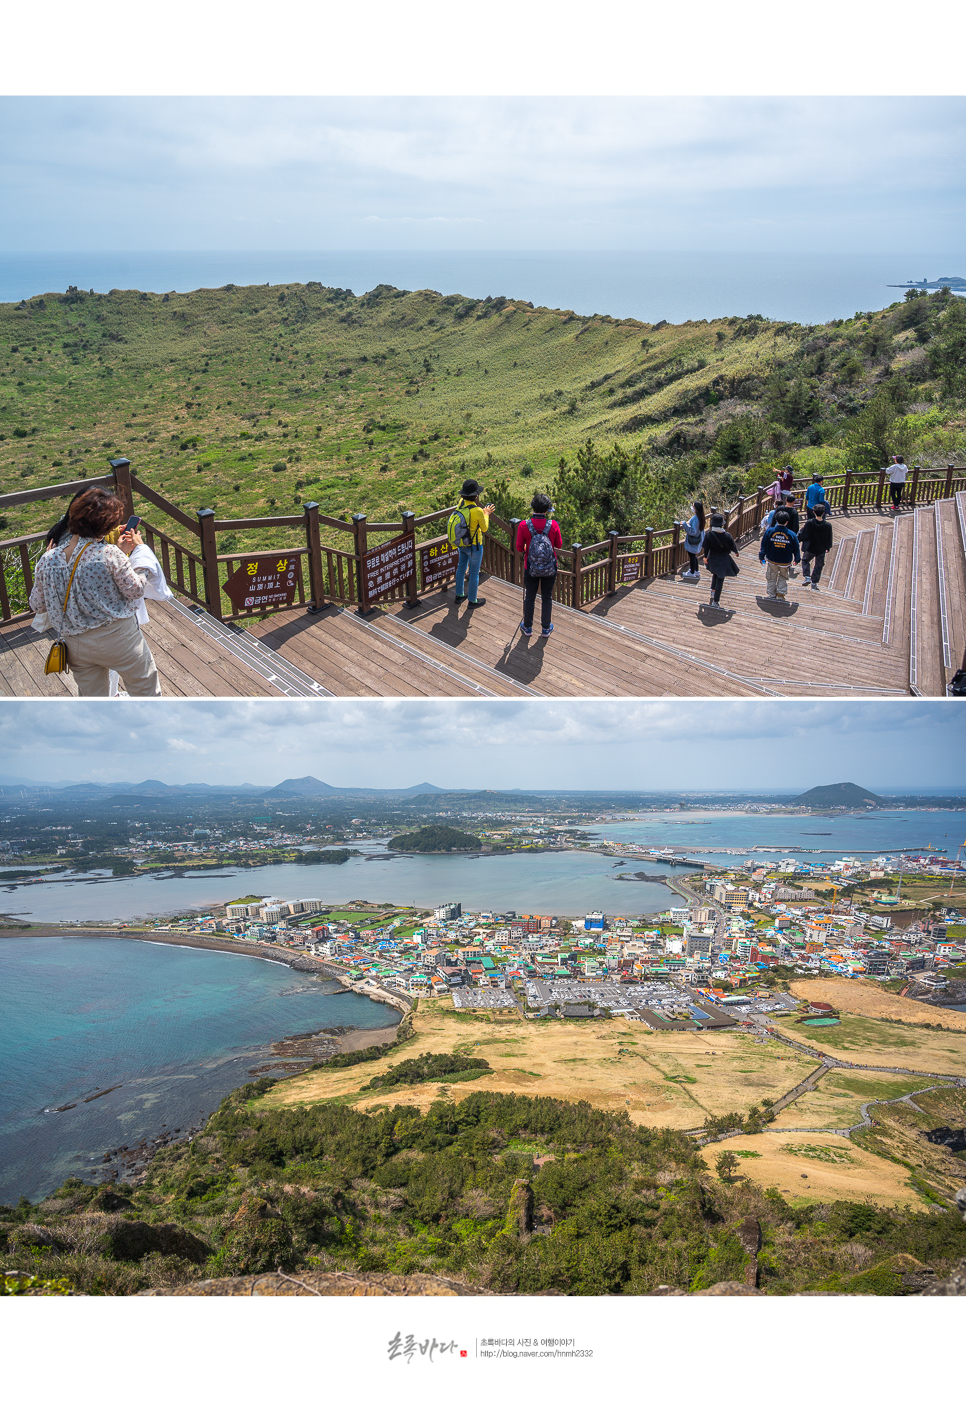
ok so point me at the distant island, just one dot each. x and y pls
(838, 796)
(435, 838)
(954, 284)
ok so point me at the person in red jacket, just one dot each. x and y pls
(544, 570)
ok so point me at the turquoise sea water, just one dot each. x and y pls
(174, 1029)
(825, 838)
(673, 285)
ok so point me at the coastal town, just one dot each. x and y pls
(737, 935)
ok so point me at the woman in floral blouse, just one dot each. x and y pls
(98, 624)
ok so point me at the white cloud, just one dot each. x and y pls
(659, 743)
(510, 172)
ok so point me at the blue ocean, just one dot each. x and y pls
(172, 1029)
(652, 286)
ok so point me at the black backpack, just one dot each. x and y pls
(541, 557)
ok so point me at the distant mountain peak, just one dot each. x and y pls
(308, 784)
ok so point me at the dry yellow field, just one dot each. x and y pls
(870, 1042)
(669, 1080)
(857, 1177)
(836, 1100)
(872, 1001)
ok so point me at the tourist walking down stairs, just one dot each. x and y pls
(539, 539)
(778, 548)
(718, 548)
(815, 540)
(693, 537)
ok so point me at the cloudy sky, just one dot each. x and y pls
(799, 174)
(883, 745)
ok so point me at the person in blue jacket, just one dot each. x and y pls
(778, 548)
(815, 492)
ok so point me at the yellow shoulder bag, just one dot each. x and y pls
(57, 657)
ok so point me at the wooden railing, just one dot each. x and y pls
(327, 574)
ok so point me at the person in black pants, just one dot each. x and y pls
(718, 547)
(544, 561)
(815, 540)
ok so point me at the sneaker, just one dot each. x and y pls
(527, 632)
(546, 632)
(694, 579)
(477, 603)
(814, 586)
(806, 582)
(715, 605)
(458, 598)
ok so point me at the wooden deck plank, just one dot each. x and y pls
(859, 568)
(497, 683)
(954, 561)
(656, 638)
(579, 659)
(23, 653)
(350, 661)
(928, 676)
(809, 646)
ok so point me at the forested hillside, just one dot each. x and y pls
(252, 400)
(612, 1209)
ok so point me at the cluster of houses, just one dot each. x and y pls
(739, 926)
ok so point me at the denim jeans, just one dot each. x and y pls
(471, 558)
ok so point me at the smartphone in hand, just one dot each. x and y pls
(133, 522)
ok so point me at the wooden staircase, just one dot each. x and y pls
(889, 619)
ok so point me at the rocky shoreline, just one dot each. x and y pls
(296, 1053)
(289, 1055)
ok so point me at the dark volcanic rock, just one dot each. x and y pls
(108, 1201)
(128, 1240)
(519, 1216)
(954, 1285)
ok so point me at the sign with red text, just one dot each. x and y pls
(264, 581)
(387, 566)
(437, 562)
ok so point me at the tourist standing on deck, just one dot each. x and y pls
(476, 523)
(814, 493)
(538, 540)
(693, 536)
(718, 547)
(786, 479)
(815, 540)
(898, 472)
(778, 548)
(90, 592)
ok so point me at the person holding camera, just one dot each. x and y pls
(89, 591)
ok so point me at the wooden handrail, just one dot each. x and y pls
(156, 500)
(338, 574)
(23, 540)
(252, 523)
(56, 489)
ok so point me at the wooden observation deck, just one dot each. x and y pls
(888, 620)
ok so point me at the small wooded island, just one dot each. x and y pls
(435, 838)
